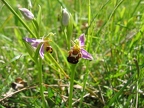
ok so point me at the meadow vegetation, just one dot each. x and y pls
(111, 77)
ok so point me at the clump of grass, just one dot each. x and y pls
(114, 37)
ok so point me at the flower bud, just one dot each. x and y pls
(65, 17)
(27, 14)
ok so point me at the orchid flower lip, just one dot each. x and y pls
(72, 60)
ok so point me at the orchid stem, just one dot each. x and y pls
(89, 21)
(67, 41)
(24, 24)
(39, 63)
(71, 85)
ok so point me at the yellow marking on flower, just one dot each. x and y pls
(77, 46)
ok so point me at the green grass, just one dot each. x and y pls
(114, 36)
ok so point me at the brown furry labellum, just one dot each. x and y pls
(49, 49)
(74, 56)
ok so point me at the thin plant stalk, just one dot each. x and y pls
(71, 84)
(67, 41)
(84, 83)
(89, 21)
(137, 83)
(39, 65)
(56, 63)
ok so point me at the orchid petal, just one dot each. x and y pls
(31, 40)
(41, 51)
(81, 39)
(34, 42)
(86, 55)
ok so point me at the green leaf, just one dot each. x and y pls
(37, 23)
(4, 37)
(12, 60)
(120, 92)
(18, 34)
(36, 55)
(50, 93)
(39, 16)
(36, 27)
(29, 49)
(70, 27)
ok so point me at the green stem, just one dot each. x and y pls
(84, 83)
(71, 85)
(56, 63)
(89, 21)
(24, 24)
(89, 12)
(66, 38)
(137, 83)
(39, 65)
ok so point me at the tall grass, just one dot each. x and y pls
(114, 36)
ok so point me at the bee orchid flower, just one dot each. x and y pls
(78, 51)
(45, 47)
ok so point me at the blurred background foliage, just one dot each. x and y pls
(115, 76)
